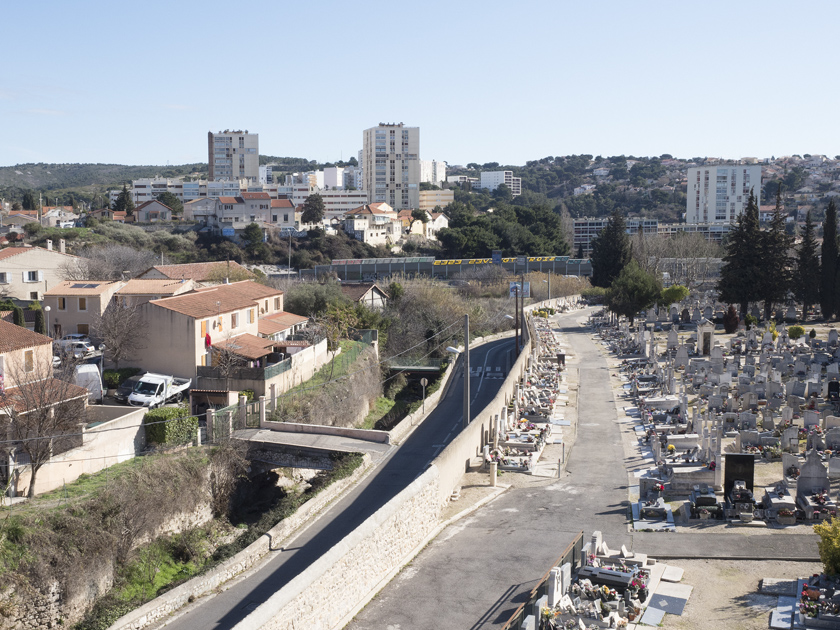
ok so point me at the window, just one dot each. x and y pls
(62, 304)
(82, 304)
(234, 320)
(33, 276)
(277, 304)
(250, 316)
(274, 218)
(4, 278)
(29, 360)
(33, 295)
(83, 329)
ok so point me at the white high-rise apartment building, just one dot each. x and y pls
(492, 180)
(391, 165)
(433, 172)
(719, 194)
(233, 155)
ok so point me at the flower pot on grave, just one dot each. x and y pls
(786, 520)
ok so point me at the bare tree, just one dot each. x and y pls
(226, 360)
(109, 262)
(689, 259)
(122, 329)
(43, 415)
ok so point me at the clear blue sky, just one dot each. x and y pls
(143, 83)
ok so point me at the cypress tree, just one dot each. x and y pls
(40, 322)
(610, 251)
(741, 269)
(828, 263)
(776, 273)
(18, 318)
(806, 286)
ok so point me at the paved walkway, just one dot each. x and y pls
(478, 570)
(376, 450)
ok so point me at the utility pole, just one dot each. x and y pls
(466, 371)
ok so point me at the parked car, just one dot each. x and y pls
(56, 361)
(126, 388)
(78, 349)
(154, 390)
(68, 339)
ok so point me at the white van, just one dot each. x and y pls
(89, 377)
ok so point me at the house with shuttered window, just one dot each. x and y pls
(26, 273)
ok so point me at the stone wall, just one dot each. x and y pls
(245, 559)
(320, 597)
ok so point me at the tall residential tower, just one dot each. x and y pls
(233, 155)
(719, 194)
(391, 165)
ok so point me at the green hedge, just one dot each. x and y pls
(115, 378)
(179, 428)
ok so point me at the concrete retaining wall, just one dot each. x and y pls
(244, 560)
(318, 598)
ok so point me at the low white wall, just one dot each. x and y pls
(244, 560)
(119, 438)
(370, 435)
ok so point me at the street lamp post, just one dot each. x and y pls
(47, 310)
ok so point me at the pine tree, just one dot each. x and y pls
(741, 267)
(124, 202)
(806, 286)
(29, 201)
(610, 251)
(828, 263)
(776, 268)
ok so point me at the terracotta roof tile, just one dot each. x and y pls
(151, 286)
(282, 203)
(200, 272)
(49, 392)
(14, 338)
(255, 195)
(8, 252)
(271, 324)
(82, 287)
(355, 291)
(229, 200)
(247, 345)
(230, 297)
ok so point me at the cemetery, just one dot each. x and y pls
(535, 417)
(740, 429)
(602, 588)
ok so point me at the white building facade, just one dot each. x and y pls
(391, 165)
(433, 172)
(492, 180)
(719, 194)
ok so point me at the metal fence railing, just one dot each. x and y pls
(571, 554)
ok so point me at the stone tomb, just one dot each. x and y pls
(813, 487)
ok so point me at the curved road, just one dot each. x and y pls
(490, 365)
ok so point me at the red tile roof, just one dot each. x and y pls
(282, 203)
(247, 345)
(200, 272)
(14, 338)
(230, 200)
(44, 393)
(82, 287)
(255, 195)
(271, 324)
(355, 291)
(222, 298)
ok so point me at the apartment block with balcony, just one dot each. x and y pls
(433, 172)
(391, 165)
(233, 155)
(719, 194)
(587, 229)
(431, 199)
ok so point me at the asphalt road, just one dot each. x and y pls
(395, 472)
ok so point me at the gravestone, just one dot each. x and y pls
(832, 421)
(673, 339)
(675, 315)
(553, 587)
(681, 358)
(813, 476)
(767, 421)
(790, 440)
(696, 315)
(790, 314)
(832, 337)
(707, 313)
(832, 439)
(739, 467)
(705, 337)
(685, 316)
(811, 418)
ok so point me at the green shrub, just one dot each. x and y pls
(248, 393)
(750, 321)
(170, 426)
(115, 378)
(813, 333)
(795, 332)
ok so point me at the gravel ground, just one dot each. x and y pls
(726, 593)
